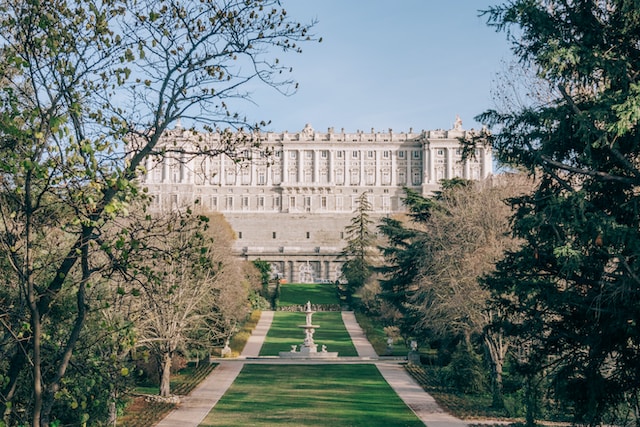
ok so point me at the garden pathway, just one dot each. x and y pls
(420, 402)
(195, 407)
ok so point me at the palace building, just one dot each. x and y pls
(290, 197)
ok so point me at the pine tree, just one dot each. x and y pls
(572, 293)
(357, 268)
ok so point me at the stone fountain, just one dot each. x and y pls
(308, 349)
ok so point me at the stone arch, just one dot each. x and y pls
(306, 272)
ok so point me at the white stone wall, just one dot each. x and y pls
(290, 198)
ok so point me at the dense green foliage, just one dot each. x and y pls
(87, 89)
(403, 255)
(265, 275)
(571, 295)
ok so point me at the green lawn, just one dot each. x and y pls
(284, 333)
(300, 293)
(310, 395)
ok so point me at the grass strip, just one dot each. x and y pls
(375, 334)
(240, 338)
(310, 395)
(300, 293)
(285, 332)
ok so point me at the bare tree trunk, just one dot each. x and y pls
(48, 397)
(113, 413)
(18, 361)
(165, 375)
(496, 349)
(496, 381)
(37, 367)
(33, 301)
(531, 402)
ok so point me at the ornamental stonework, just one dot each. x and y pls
(289, 198)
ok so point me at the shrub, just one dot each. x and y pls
(465, 373)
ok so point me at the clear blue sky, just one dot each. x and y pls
(388, 64)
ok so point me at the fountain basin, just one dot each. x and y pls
(308, 355)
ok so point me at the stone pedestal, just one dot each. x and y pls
(308, 355)
(414, 358)
(226, 351)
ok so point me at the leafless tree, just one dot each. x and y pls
(464, 238)
(182, 287)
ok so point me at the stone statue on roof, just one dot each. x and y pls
(458, 123)
(308, 131)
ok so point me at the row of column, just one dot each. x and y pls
(186, 174)
(293, 271)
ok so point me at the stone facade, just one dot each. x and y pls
(290, 197)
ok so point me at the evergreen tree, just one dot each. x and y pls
(264, 267)
(357, 268)
(572, 293)
(403, 256)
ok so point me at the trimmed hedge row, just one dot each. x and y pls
(314, 307)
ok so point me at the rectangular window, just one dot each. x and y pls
(261, 202)
(416, 178)
(440, 152)
(401, 154)
(323, 202)
(308, 154)
(293, 154)
(239, 234)
(371, 178)
(370, 154)
(292, 202)
(278, 154)
(416, 154)
(308, 234)
(324, 154)
(385, 154)
(246, 176)
(354, 154)
(402, 177)
(273, 235)
(339, 154)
